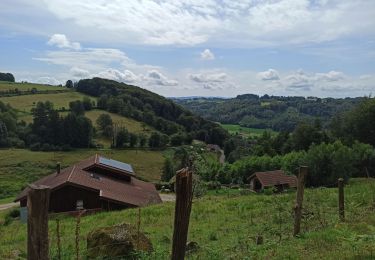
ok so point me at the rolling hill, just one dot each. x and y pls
(268, 112)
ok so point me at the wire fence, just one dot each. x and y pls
(68, 235)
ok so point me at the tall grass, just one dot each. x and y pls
(226, 226)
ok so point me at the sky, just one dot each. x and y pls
(323, 48)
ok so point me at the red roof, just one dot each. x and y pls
(134, 192)
(273, 178)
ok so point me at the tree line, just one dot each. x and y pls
(50, 130)
(7, 77)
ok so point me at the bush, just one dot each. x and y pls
(14, 213)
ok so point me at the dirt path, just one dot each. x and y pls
(222, 157)
(8, 205)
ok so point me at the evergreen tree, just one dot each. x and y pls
(133, 139)
(69, 84)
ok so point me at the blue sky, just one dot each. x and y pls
(195, 47)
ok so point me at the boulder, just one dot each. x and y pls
(120, 240)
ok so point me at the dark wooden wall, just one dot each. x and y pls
(65, 199)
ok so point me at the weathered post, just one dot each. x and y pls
(182, 213)
(341, 199)
(299, 199)
(37, 222)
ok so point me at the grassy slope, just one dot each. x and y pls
(19, 167)
(246, 131)
(129, 123)
(226, 225)
(132, 125)
(26, 102)
(26, 86)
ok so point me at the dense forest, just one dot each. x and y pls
(344, 148)
(152, 109)
(274, 112)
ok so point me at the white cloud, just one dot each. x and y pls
(211, 80)
(298, 80)
(330, 76)
(48, 80)
(61, 41)
(120, 76)
(270, 74)
(207, 55)
(208, 77)
(157, 78)
(161, 22)
(79, 73)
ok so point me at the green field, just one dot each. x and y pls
(19, 167)
(4, 85)
(25, 103)
(245, 131)
(225, 226)
(129, 123)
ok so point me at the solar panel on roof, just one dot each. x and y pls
(116, 164)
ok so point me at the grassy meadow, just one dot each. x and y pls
(18, 167)
(25, 103)
(5, 85)
(245, 131)
(226, 223)
(130, 124)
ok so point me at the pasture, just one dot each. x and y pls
(24, 103)
(5, 85)
(245, 131)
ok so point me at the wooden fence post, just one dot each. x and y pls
(341, 199)
(37, 222)
(299, 199)
(184, 198)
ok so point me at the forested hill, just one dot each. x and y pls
(275, 112)
(143, 105)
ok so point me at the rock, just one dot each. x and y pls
(259, 240)
(120, 240)
(191, 246)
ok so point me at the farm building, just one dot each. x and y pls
(278, 179)
(95, 183)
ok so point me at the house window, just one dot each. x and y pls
(79, 205)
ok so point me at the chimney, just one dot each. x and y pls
(58, 168)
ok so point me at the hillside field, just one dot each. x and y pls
(226, 223)
(19, 167)
(25, 103)
(245, 131)
(5, 85)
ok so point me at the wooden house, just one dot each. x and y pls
(277, 179)
(95, 183)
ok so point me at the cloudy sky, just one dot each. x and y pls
(195, 47)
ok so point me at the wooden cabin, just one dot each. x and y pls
(95, 183)
(277, 179)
